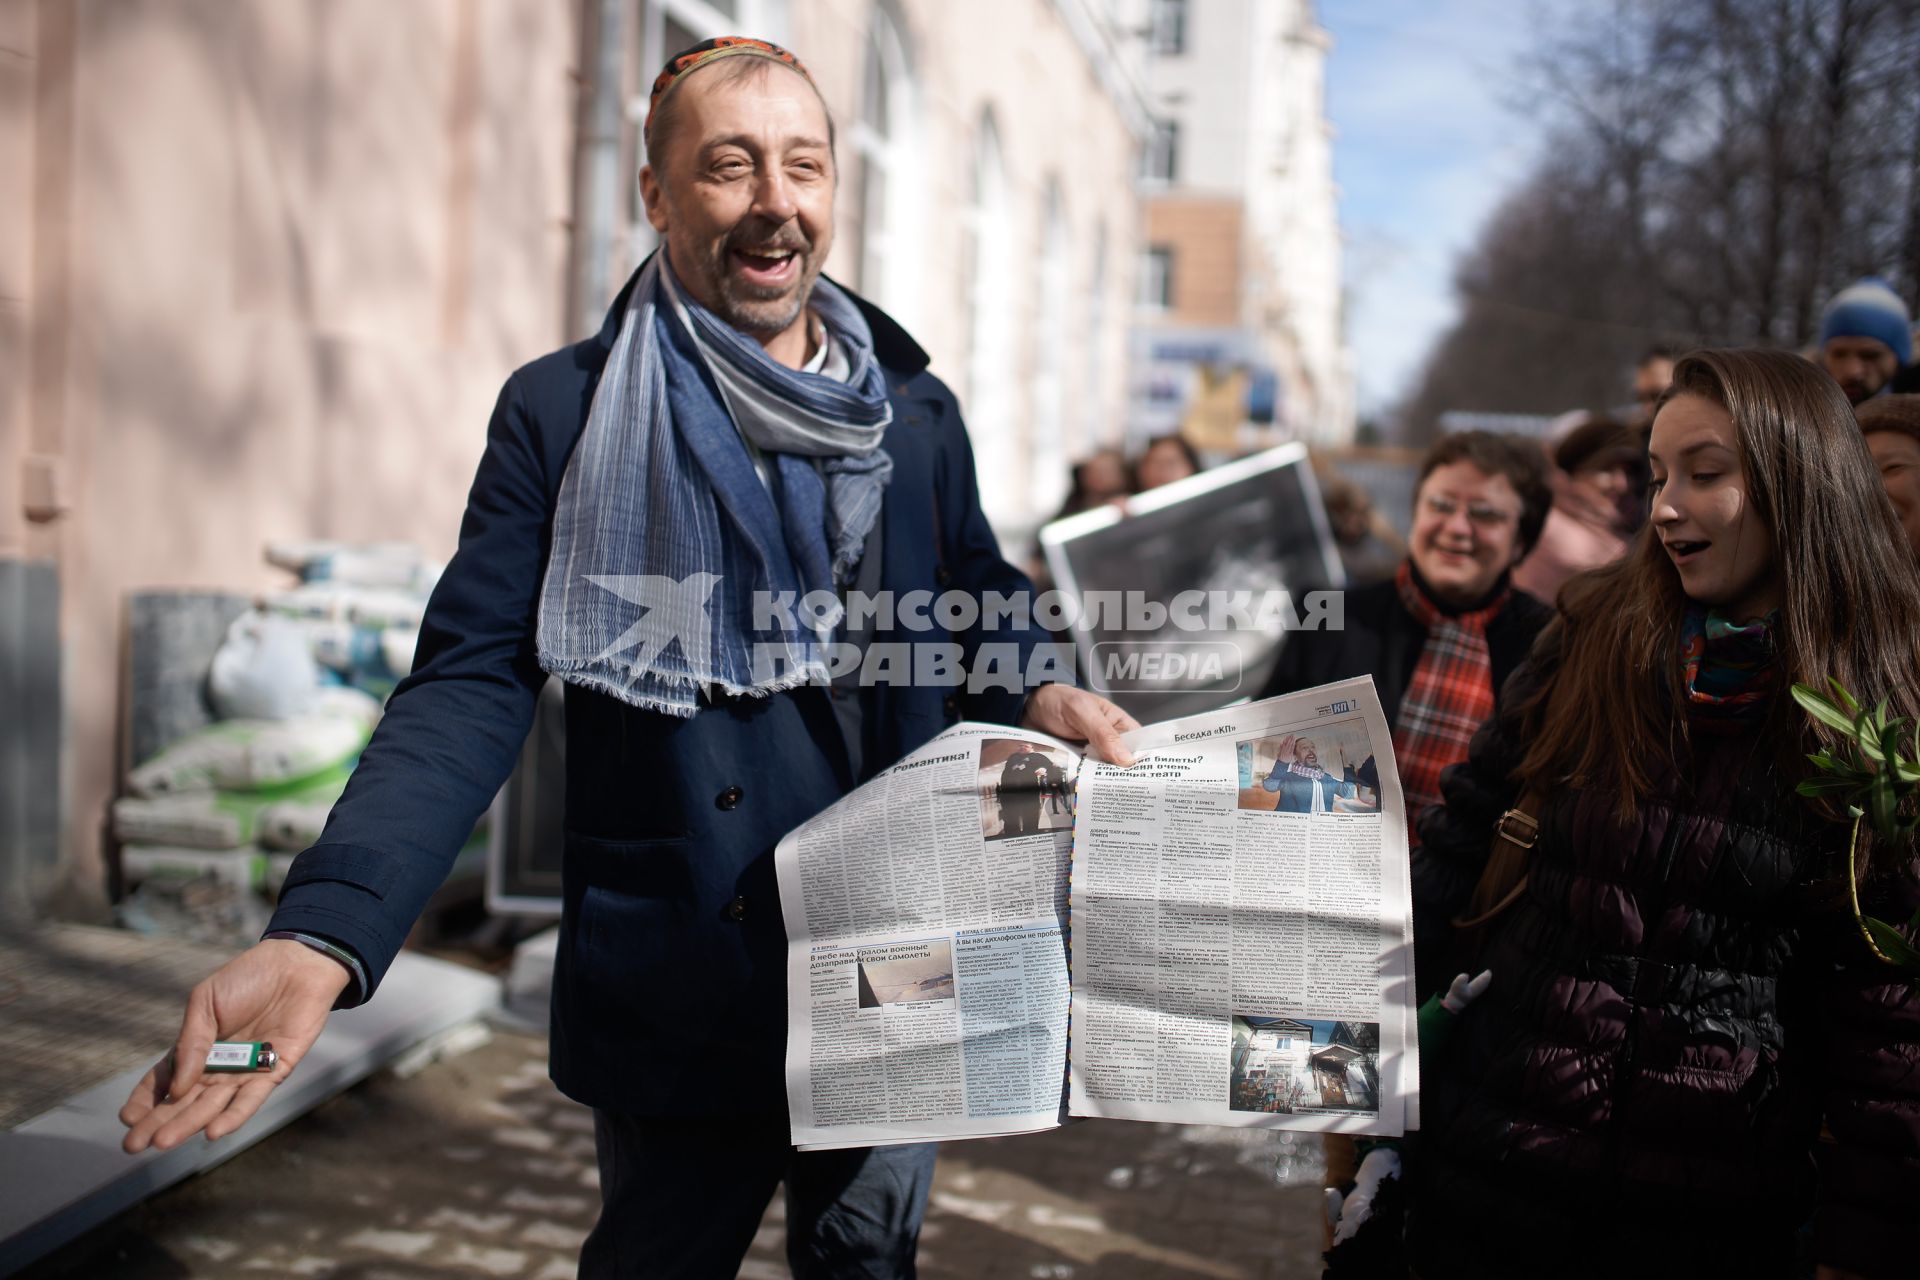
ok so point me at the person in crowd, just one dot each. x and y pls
(1651, 378)
(1099, 478)
(1370, 548)
(1165, 459)
(1866, 338)
(738, 422)
(1441, 637)
(1891, 425)
(1679, 997)
(1599, 498)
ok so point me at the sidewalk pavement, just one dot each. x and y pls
(476, 1167)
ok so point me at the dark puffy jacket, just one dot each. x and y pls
(1677, 1003)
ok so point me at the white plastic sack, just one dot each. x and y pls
(296, 822)
(264, 670)
(288, 750)
(247, 755)
(377, 564)
(193, 819)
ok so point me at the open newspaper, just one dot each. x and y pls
(1236, 948)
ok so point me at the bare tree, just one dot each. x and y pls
(1717, 170)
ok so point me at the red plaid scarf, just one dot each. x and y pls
(1450, 695)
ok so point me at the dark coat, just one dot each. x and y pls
(1676, 1003)
(670, 979)
(1381, 639)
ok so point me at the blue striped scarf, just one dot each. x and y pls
(663, 534)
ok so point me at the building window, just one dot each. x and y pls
(658, 30)
(884, 157)
(987, 259)
(1156, 278)
(1048, 444)
(1160, 161)
(1093, 399)
(1167, 33)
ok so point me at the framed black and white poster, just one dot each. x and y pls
(1183, 598)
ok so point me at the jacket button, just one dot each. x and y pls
(728, 799)
(952, 704)
(737, 909)
(943, 575)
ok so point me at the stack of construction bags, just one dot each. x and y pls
(213, 821)
(359, 607)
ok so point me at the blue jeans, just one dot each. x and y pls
(683, 1198)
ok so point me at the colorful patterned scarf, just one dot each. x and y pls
(1729, 667)
(1449, 697)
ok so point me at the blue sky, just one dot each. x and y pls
(1421, 94)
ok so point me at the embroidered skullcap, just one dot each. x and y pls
(712, 51)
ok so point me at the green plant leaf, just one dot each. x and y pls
(1846, 699)
(1822, 710)
(1884, 805)
(1892, 944)
(1827, 786)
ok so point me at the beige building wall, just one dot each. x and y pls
(1205, 235)
(283, 253)
(18, 62)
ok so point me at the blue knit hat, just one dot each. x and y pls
(1869, 308)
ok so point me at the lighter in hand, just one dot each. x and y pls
(242, 1055)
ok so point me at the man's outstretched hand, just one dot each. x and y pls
(1079, 716)
(278, 990)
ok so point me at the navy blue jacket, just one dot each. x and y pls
(669, 985)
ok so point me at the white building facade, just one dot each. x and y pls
(1241, 306)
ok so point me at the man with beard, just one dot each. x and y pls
(1303, 785)
(1599, 502)
(1866, 338)
(741, 430)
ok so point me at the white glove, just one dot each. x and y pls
(1464, 991)
(1347, 1214)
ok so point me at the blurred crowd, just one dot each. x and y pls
(1584, 646)
(1592, 461)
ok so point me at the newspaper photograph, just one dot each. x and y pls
(926, 919)
(1241, 922)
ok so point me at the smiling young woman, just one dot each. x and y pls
(1678, 1001)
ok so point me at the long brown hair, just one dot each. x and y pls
(1614, 713)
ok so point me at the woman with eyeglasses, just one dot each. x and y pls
(1443, 634)
(1683, 1021)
